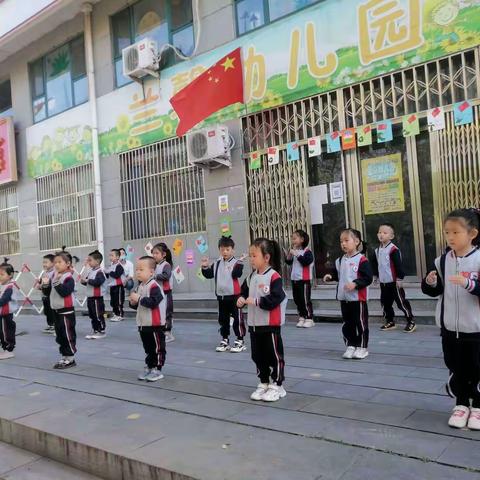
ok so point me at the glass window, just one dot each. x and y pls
(58, 80)
(250, 15)
(5, 95)
(184, 41)
(122, 36)
(166, 21)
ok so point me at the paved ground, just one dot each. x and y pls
(348, 420)
(17, 464)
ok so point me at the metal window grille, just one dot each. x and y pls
(437, 83)
(161, 193)
(9, 226)
(66, 208)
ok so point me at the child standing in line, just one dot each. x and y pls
(263, 293)
(354, 274)
(129, 271)
(301, 259)
(456, 280)
(94, 278)
(149, 303)
(8, 306)
(116, 276)
(62, 302)
(227, 271)
(163, 275)
(387, 266)
(48, 272)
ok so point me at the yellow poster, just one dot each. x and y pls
(382, 183)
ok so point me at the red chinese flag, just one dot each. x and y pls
(219, 86)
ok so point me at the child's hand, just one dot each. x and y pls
(250, 301)
(292, 252)
(327, 278)
(45, 280)
(350, 286)
(431, 278)
(204, 262)
(240, 302)
(459, 280)
(400, 283)
(134, 297)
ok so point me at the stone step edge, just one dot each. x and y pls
(83, 457)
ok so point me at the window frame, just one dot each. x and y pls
(3, 110)
(76, 176)
(43, 59)
(266, 15)
(131, 28)
(6, 190)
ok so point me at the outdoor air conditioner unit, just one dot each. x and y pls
(209, 147)
(141, 59)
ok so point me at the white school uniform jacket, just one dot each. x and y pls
(8, 298)
(116, 274)
(163, 275)
(270, 299)
(458, 307)
(388, 265)
(354, 269)
(151, 307)
(302, 265)
(61, 296)
(95, 279)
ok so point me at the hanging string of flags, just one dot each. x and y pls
(362, 136)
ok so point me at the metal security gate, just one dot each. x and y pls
(455, 167)
(277, 197)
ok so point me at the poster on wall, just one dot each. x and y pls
(8, 160)
(382, 183)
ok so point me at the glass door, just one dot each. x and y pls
(326, 189)
(386, 196)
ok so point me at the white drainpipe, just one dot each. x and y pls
(87, 12)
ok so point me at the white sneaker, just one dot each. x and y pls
(169, 337)
(259, 392)
(238, 346)
(144, 375)
(154, 375)
(474, 419)
(223, 346)
(360, 353)
(6, 354)
(349, 353)
(273, 393)
(459, 417)
(308, 323)
(90, 336)
(116, 318)
(300, 322)
(97, 335)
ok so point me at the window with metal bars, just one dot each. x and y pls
(66, 208)
(9, 226)
(162, 194)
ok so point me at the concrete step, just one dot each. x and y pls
(18, 464)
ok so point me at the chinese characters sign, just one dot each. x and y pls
(382, 183)
(321, 48)
(8, 162)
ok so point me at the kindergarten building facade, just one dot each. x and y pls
(356, 112)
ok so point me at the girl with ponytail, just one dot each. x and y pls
(456, 281)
